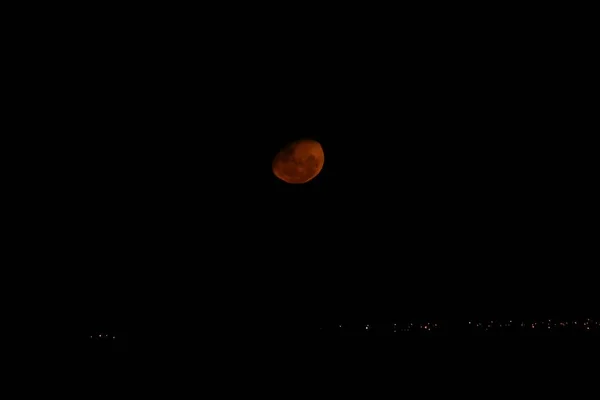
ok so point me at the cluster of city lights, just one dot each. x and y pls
(411, 327)
(103, 336)
(549, 324)
(465, 326)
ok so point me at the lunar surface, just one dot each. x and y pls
(299, 162)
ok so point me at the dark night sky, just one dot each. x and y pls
(454, 182)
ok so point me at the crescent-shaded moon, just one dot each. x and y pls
(299, 161)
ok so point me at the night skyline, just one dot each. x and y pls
(456, 184)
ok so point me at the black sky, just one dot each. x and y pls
(455, 180)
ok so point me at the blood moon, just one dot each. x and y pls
(299, 161)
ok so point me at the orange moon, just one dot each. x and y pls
(299, 162)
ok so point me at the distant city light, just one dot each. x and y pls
(508, 325)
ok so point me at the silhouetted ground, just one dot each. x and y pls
(272, 337)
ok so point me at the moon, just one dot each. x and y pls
(299, 161)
